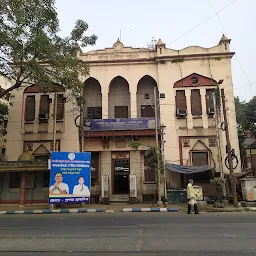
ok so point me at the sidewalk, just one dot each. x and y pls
(92, 208)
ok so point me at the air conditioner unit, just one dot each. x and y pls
(181, 112)
(43, 116)
(210, 111)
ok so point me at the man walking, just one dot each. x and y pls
(191, 197)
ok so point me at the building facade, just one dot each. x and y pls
(126, 89)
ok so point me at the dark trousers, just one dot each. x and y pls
(195, 208)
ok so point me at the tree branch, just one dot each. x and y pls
(4, 92)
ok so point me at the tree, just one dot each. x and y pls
(32, 52)
(151, 159)
(240, 117)
(3, 120)
(246, 117)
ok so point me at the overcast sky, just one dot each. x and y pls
(179, 23)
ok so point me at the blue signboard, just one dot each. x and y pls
(121, 124)
(70, 178)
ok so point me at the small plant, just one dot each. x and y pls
(177, 60)
(135, 144)
(218, 182)
(162, 61)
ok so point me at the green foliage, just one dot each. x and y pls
(151, 159)
(3, 109)
(246, 117)
(218, 182)
(162, 61)
(3, 123)
(177, 60)
(31, 51)
(135, 144)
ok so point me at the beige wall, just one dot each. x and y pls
(132, 64)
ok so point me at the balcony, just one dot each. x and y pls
(120, 127)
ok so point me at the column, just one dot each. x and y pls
(37, 107)
(189, 114)
(104, 92)
(133, 101)
(22, 189)
(204, 109)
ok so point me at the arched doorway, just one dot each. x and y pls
(119, 103)
(145, 96)
(93, 99)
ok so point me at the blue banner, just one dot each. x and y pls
(121, 124)
(70, 178)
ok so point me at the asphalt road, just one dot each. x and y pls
(176, 234)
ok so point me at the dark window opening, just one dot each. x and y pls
(14, 181)
(45, 179)
(196, 105)
(121, 111)
(44, 108)
(42, 158)
(147, 111)
(194, 80)
(181, 102)
(60, 107)
(94, 113)
(200, 159)
(30, 108)
(209, 101)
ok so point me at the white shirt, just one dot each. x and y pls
(81, 190)
(62, 186)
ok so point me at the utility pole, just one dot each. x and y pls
(230, 162)
(159, 202)
(163, 159)
(54, 120)
(216, 118)
(82, 125)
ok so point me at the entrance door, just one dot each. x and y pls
(121, 169)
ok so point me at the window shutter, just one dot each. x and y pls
(196, 105)
(44, 105)
(60, 107)
(147, 111)
(209, 98)
(30, 108)
(181, 100)
(199, 158)
(121, 111)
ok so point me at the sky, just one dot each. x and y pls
(179, 23)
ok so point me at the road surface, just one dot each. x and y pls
(115, 234)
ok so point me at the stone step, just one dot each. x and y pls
(119, 198)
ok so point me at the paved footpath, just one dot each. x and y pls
(99, 208)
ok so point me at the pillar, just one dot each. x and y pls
(189, 113)
(133, 101)
(105, 111)
(22, 189)
(204, 108)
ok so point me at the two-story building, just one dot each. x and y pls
(120, 108)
